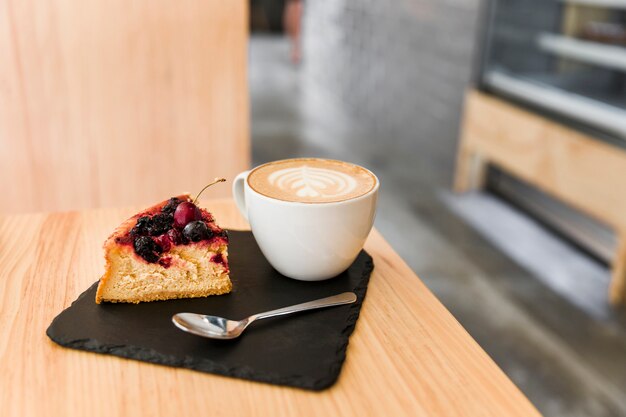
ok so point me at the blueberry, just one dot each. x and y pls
(197, 231)
(147, 248)
(161, 223)
(171, 205)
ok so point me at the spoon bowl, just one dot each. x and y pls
(215, 327)
(209, 326)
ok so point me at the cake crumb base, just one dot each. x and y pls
(223, 287)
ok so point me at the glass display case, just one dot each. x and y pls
(565, 60)
(565, 57)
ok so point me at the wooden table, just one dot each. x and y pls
(407, 356)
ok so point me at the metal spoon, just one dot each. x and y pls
(220, 328)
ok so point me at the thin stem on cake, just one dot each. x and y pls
(207, 186)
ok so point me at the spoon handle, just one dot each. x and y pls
(335, 300)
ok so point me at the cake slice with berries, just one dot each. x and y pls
(173, 249)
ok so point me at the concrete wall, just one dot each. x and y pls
(396, 68)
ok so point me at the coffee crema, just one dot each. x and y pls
(311, 180)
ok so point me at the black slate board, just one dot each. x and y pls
(305, 350)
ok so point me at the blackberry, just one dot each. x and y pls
(197, 231)
(147, 249)
(143, 226)
(161, 223)
(171, 205)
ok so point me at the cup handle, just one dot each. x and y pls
(239, 188)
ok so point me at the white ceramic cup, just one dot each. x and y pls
(307, 241)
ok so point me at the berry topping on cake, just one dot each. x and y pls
(177, 222)
(155, 232)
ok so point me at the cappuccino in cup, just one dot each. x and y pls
(310, 216)
(309, 180)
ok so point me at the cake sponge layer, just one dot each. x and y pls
(191, 273)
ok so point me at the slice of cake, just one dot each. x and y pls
(171, 250)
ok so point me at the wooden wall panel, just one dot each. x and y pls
(109, 103)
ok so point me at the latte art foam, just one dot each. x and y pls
(307, 181)
(311, 180)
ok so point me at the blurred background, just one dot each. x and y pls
(383, 84)
(497, 129)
